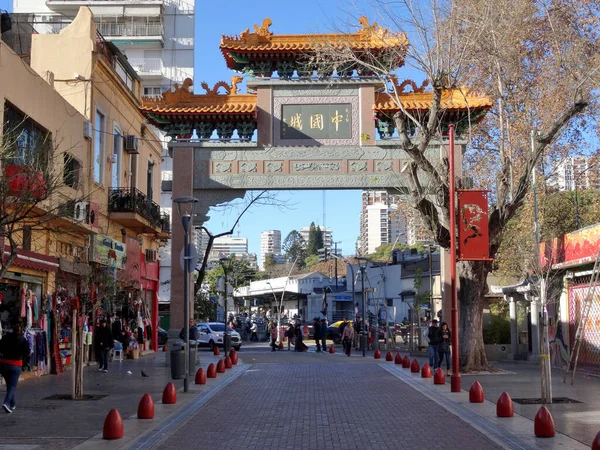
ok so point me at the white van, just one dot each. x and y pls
(210, 334)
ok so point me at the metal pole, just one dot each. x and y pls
(364, 337)
(455, 378)
(185, 221)
(336, 272)
(225, 333)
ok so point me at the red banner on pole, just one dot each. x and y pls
(473, 232)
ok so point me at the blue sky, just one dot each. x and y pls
(6, 5)
(213, 20)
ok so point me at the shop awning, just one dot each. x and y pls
(33, 260)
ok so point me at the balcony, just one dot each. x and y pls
(165, 226)
(140, 29)
(147, 67)
(131, 208)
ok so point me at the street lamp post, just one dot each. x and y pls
(185, 209)
(362, 263)
(226, 336)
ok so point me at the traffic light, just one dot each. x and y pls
(323, 253)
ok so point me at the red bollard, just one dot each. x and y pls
(228, 362)
(439, 377)
(414, 366)
(331, 349)
(220, 366)
(426, 371)
(543, 424)
(476, 393)
(113, 425)
(169, 396)
(146, 407)
(405, 362)
(377, 354)
(504, 406)
(596, 443)
(164, 349)
(389, 356)
(398, 359)
(200, 376)
(281, 346)
(211, 372)
(234, 359)
(231, 353)
(216, 351)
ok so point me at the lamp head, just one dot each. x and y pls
(185, 205)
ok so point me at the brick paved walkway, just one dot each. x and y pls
(322, 406)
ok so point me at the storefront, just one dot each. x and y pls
(22, 300)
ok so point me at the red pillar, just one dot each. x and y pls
(155, 317)
(455, 378)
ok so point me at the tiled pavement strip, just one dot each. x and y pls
(321, 406)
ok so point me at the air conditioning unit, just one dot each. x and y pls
(87, 129)
(80, 211)
(150, 255)
(132, 144)
(91, 217)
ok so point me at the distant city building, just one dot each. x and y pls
(577, 172)
(381, 222)
(270, 244)
(327, 235)
(227, 246)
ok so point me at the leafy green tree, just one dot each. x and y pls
(269, 261)
(319, 241)
(295, 248)
(311, 247)
(311, 261)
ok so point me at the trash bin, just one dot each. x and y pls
(193, 356)
(177, 363)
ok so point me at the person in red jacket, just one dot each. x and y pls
(13, 348)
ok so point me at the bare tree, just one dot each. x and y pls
(538, 61)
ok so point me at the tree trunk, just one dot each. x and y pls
(471, 298)
(78, 359)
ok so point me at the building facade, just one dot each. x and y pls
(575, 173)
(327, 235)
(270, 244)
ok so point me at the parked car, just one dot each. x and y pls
(163, 336)
(335, 330)
(211, 335)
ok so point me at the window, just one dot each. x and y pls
(153, 91)
(149, 179)
(116, 160)
(100, 129)
(27, 238)
(72, 171)
(27, 142)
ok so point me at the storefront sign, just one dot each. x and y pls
(473, 232)
(108, 252)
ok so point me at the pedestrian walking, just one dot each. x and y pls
(254, 332)
(290, 333)
(13, 348)
(357, 329)
(444, 347)
(299, 338)
(274, 343)
(317, 334)
(104, 343)
(324, 334)
(433, 335)
(347, 338)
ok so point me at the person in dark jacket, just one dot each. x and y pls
(444, 346)
(317, 333)
(13, 348)
(194, 333)
(104, 343)
(433, 335)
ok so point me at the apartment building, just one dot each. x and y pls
(270, 244)
(327, 235)
(575, 173)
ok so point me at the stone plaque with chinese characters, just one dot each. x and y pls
(316, 121)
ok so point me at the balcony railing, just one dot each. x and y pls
(165, 223)
(131, 29)
(147, 66)
(133, 200)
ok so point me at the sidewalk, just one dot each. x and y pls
(63, 424)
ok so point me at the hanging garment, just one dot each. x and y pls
(29, 314)
(35, 308)
(23, 303)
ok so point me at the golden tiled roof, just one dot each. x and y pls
(183, 101)
(452, 99)
(369, 37)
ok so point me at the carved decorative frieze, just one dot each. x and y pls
(248, 167)
(358, 166)
(316, 166)
(274, 167)
(222, 167)
(383, 166)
